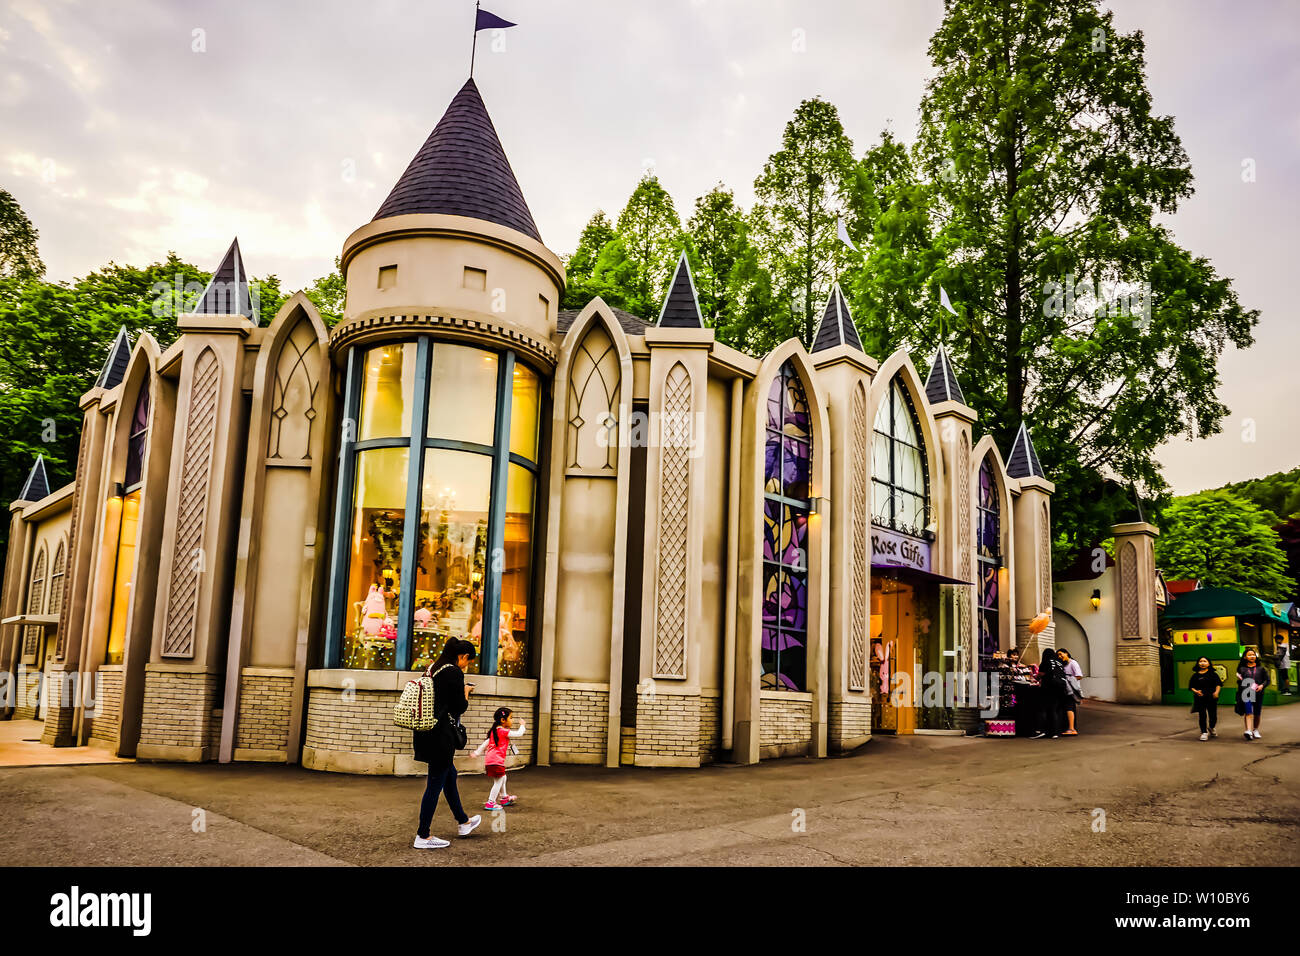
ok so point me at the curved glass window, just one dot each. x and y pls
(440, 479)
(988, 535)
(787, 467)
(899, 475)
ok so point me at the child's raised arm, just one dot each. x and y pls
(520, 729)
(481, 748)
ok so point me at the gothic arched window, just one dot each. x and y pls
(786, 506)
(988, 542)
(137, 439)
(900, 476)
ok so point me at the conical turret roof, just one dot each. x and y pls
(37, 485)
(461, 170)
(1023, 460)
(836, 326)
(681, 305)
(942, 385)
(119, 354)
(227, 293)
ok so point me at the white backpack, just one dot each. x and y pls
(414, 709)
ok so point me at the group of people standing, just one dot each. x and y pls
(1205, 684)
(1047, 695)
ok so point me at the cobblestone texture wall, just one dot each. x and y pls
(784, 722)
(179, 709)
(1134, 653)
(847, 720)
(108, 706)
(579, 722)
(265, 702)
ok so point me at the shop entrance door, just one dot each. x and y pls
(893, 656)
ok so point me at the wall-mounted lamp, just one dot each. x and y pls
(1095, 600)
(815, 505)
(119, 490)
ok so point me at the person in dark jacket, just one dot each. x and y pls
(437, 747)
(1204, 685)
(1252, 678)
(1052, 690)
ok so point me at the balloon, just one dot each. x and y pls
(1039, 624)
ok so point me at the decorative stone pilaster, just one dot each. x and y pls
(953, 420)
(1137, 643)
(1033, 563)
(674, 533)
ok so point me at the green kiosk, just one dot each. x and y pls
(1220, 623)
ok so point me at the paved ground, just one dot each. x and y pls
(20, 746)
(1168, 799)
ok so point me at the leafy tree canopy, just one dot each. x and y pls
(19, 258)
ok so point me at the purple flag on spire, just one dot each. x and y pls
(490, 21)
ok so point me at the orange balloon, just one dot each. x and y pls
(1039, 624)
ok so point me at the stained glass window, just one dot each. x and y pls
(900, 479)
(988, 533)
(136, 439)
(787, 468)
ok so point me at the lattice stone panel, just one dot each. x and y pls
(188, 560)
(1128, 591)
(674, 506)
(861, 534)
(965, 557)
(1045, 559)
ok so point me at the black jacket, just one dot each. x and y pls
(434, 746)
(1205, 683)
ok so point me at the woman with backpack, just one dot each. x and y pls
(1252, 678)
(438, 746)
(1052, 691)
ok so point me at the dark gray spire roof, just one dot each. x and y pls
(681, 305)
(1023, 460)
(227, 293)
(942, 385)
(119, 354)
(38, 483)
(461, 170)
(836, 326)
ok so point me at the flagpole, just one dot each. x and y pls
(473, 46)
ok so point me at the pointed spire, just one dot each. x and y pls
(836, 326)
(119, 353)
(461, 170)
(681, 308)
(37, 485)
(227, 293)
(942, 385)
(1023, 460)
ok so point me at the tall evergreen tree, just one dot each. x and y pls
(19, 257)
(650, 241)
(1043, 174)
(718, 239)
(802, 192)
(580, 267)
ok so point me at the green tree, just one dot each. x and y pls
(650, 239)
(1226, 542)
(329, 295)
(1044, 176)
(802, 193)
(580, 267)
(19, 257)
(718, 240)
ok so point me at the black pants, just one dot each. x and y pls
(1050, 720)
(442, 779)
(1209, 711)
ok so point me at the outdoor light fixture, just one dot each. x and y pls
(815, 505)
(1095, 600)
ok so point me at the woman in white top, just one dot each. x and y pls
(1073, 674)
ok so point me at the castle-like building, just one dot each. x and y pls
(689, 553)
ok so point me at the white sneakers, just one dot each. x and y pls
(434, 843)
(1205, 736)
(1255, 733)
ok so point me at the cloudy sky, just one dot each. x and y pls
(132, 127)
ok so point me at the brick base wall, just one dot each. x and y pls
(579, 724)
(668, 730)
(265, 702)
(353, 732)
(63, 687)
(108, 707)
(710, 726)
(848, 723)
(1136, 653)
(181, 719)
(29, 690)
(785, 726)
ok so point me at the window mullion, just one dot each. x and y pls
(342, 512)
(491, 621)
(414, 486)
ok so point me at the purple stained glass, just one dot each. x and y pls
(989, 587)
(787, 474)
(135, 443)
